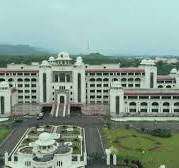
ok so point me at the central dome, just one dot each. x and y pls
(63, 55)
(45, 136)
(45, 139)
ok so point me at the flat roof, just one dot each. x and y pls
(19, 71)
(148, 92)
(165, 77)
(115, 70)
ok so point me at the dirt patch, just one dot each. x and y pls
(156, 148)
(123, 147)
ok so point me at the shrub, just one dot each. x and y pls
(161, 133)
(18, 120)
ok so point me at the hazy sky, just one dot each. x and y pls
(111, 26)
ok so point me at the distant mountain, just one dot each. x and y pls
(7, 49)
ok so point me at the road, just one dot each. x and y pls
(92, 127)
(90, 123)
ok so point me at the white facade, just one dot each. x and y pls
(8, 99)
(63, 84)
(143, 102)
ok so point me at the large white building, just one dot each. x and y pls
(69, 85)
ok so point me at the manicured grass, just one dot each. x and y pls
(4, 131)
(151, 151)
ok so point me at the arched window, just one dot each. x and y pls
(160, 86)
(155, 104)
(166, 104)
(19, 79)
(26, 79)
(10, 80)
(137, 79)
(132, 104)
(143, 104)
(92, 79)
(176, 104)
(98, 79)
(168, 86)
(1, 79)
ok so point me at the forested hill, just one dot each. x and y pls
(94, 58)
(21, 50)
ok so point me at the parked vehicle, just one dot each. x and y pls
(40, 116)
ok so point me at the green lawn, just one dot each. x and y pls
(4, 132)
(151, 151)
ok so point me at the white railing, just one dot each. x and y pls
(64, 110)
(57, 110)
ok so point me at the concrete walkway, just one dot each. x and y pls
(145, 119)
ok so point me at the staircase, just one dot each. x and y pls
(60, 110)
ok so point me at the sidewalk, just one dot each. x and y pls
(145, 119)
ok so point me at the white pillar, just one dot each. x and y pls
(108, 153)
(114, 160)
(6, 157)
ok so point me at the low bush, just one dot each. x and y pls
(161, 133)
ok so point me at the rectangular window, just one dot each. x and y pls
(20, 91)
(19, 85)
(143, 97)
(33, 85)
(130, 85)
(166, 97)
(137, 85)
(123, 85)
(132, 97)
(154, 97)
(79, 87)
(155, 110)
(117, 104)
(151, 80)
(105, 85)
(143, 110)
(92, 85)
(33, 91)
(44, 87)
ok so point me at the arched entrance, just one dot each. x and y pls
(62, 99)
